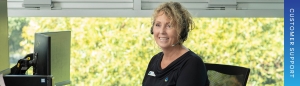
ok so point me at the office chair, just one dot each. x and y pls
(227, 75)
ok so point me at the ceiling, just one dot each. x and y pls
(142, 8)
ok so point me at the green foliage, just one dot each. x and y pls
(116, 51)
(256, 43)
(15, 30)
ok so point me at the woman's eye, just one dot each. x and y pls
(169, 26)
(157, 25)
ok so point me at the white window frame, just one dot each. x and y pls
(142, 8)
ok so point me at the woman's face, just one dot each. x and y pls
(164, 33)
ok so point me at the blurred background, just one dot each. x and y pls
(115, 51)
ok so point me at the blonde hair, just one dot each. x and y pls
(180, 18)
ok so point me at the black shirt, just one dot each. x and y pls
(187, 70)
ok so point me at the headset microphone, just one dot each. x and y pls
(175, 44)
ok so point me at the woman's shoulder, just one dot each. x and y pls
(160, 54)
(193, 57)
(156, 57)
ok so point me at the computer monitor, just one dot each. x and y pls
(42, 51)
(53, 55)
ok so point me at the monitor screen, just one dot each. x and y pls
(42, 51)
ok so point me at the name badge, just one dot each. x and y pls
(151, 73)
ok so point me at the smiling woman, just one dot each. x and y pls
(175, 65)
(116, 51)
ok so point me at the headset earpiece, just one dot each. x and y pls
(151, 30)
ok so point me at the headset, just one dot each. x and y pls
(183, 33)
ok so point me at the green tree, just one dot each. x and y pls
(15, 27)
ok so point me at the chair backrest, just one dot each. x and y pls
(227, 75)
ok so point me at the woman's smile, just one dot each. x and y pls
(163, 39)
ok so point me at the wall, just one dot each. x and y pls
(4, 59)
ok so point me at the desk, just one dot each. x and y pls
(28, 80)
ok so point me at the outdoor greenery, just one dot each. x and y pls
(116, 51)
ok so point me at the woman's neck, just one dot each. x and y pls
(174, 52)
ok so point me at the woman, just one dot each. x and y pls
(176, 65)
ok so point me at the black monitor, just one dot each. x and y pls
(51, 59)
(42, 51)
(52, 51)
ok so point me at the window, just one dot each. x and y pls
(116, 50)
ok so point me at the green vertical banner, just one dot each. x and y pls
(4, 58)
